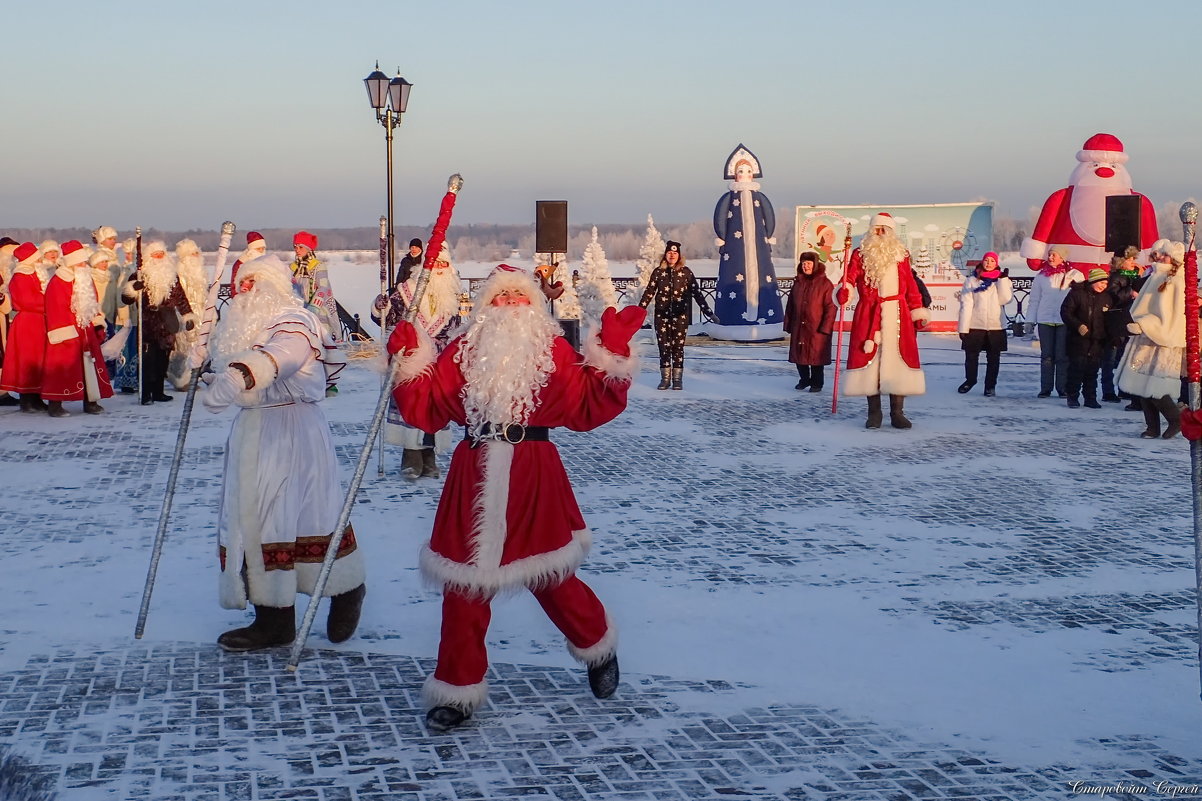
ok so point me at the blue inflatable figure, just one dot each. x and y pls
(747, 305)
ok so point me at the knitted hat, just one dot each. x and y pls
(996, 260)
(884, 219)
(26, 252)
(671, 247)
(415, 243)
(305, 239)
(74, 253)
(1098, 274)
(1059, 250)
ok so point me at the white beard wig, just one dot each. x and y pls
(505, 357)
(84, 304)
(880, 254)
(192, 273)
(245, 320)
(159, 276)
(442, 293)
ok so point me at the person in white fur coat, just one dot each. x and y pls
(981, 325)
(280, 496)
(1154, 359)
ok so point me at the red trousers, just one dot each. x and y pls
(462, 655)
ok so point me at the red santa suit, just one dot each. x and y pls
(74, 366)
(1076, 215)
(508, 518)
(22, 371)
(882, 357)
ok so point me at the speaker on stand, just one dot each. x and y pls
(551, 237)
(1122, 223)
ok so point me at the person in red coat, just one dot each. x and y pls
(809, 320)
(22, 371)
(74, 366)
(1075, 217)
(507, 518)
(882, 355)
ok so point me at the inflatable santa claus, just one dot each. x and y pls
(1075, 216)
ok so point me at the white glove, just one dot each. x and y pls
(1135, 328)
(222, 390)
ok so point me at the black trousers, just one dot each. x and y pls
(993, 365)
(1083, 376)
(154, 368)
(811, 374)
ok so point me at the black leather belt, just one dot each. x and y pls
(513, 433)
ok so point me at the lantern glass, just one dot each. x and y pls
(377, 89)
(398, 94)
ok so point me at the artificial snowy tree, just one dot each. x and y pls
(596, 289)
(650, 254)
(567, 306)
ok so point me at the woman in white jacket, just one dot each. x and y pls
(1048, 291)
(1154, 359)
(984, 294)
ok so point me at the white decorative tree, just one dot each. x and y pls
(596, 289)
(567, 307)
(650, 254)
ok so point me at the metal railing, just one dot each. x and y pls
(350, 326)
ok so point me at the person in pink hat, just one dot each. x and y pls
(73, 369)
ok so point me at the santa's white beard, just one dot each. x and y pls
(159, 275)
(506, 358)
(196, 282)
(244, 322)
(880, 254)
(1087, 209)
(84, 304)
(442, 294)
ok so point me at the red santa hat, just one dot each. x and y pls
(884, 218)
(254, 236)
(25, 253)
(506, 277)
(1102, 147)
(305, 239)
(74, 253)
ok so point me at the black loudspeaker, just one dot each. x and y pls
(1122, 222)
(551, 226)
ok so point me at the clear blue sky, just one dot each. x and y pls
(181, 115)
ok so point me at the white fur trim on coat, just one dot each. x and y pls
(615, 367)
(543, 570)
(466, 698)
(417, 363)
(920, 315)
(263, 369)
(1033, 249)
(599, 651)
(869, 345)
(63, 334)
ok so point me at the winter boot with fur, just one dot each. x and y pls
(603, 678)
(1168, 407)
(874, 412)
(429, 464)
(273, 626)
(665, 378)
(56, 409)
(343, 618)
(677, 378)
(897, 417)
(1151, 419)
(411, 464)
(92, 407)
(445, 718)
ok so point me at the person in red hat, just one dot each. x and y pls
(256, 246)
(22, 372)
(882, 356)
(311, 281)
(1075, 217)
(74, 369)
(7, 246)
(507, 518)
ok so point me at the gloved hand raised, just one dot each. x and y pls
(403, 341)
(618, 327)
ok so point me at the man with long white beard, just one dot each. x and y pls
(438, 316)
(507, 518)
(195, 281)
(882, 356)
(22, 372)
(280, 496)
(165, 311)
(73, 368)
(256, 246)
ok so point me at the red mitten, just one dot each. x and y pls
(618, 327)
(1034, 264)
(1191, 424)
(842, 295)
(403, 339)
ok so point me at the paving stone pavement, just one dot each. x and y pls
(183, 721)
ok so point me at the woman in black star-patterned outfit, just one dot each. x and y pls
(674, 288)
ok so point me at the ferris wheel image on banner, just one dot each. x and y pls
(955, 244)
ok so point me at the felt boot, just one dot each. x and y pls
(411, 464)
(874, 412)
(445, 718)
(56, 409)
(343, 618)
(429, 464)
(273, 626)
(897, 417)
(1167, 407)
(1151, 420)
(603, 678)
(92, 407)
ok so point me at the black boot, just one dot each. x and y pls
(1151, 420)
(8, 400)
(677, 378)
(28, 403)
(57, 410)
(965, 387)
(445, 718)
(1168, 407)
(429, 464)
(803, 377)
(603, 678)
(38, 403)
(816, 378)
(343, 618)
(897, 417)
(874, 412)
(273, 626)
(665, 378)
(411, 464)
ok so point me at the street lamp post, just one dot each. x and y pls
(389, 98)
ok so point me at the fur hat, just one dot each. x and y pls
(155, 247)
(1059, 250)
(74, 253)
(105, 232)
(1176, 252)
(1098, 274)
(268, 269)
(415, 243)
(26, 252)
(98, 257)
(186, 247)
(444, 254)
(305, 239)
(505, 277)
(50, 244)
(883, 219)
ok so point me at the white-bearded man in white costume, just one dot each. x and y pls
(281, 496)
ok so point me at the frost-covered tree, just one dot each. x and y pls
(650, 253)
(567, 307)
(596, 289)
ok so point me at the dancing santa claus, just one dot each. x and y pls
(1075, 216)
(74, 369)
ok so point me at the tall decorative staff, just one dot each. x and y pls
(383, 312)
(196, 360)
(141, 295)
(437, 237)
(842, 310)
